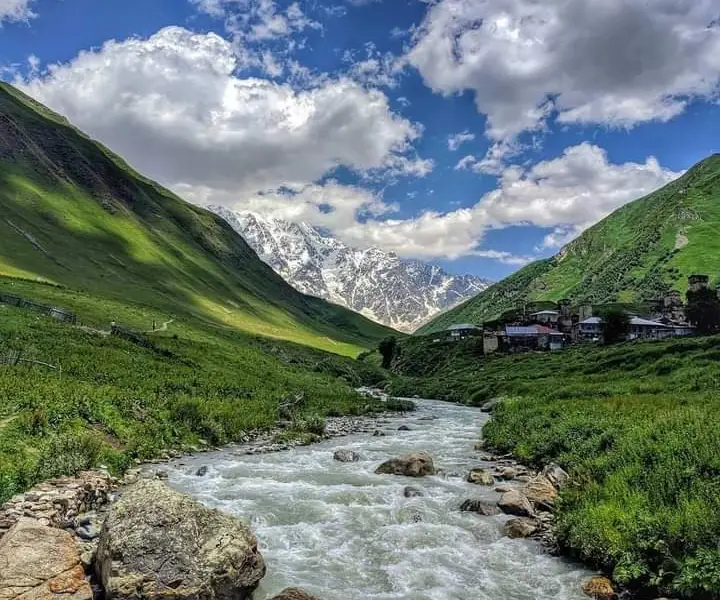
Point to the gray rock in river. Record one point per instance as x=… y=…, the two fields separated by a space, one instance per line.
x=479 y=506
x=412 y=492
x=522 y=527
x=515 y=503
x=415 y=464
x=202 y=471
x=480 y=476
x=403 y=428
x=294 y=594
x=346 y=456
x=159 y=544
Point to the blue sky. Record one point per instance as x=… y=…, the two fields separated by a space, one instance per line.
x=477 y=134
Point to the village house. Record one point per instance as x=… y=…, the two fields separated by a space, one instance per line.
x=531 y=337
x=462 y=331
x=591 y=329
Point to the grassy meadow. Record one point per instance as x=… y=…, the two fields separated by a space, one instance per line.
x=109 y=401
x=638 y=426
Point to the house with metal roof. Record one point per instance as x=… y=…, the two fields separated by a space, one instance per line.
x=640 y=328
x=532 y=337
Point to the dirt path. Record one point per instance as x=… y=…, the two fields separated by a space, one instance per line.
x=162 y=327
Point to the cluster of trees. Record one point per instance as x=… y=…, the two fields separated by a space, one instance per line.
x=703 y=310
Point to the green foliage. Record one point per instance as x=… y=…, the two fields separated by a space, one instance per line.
x=387 y=349
x=638 y=427
x=638 y=253
x=703 y=310
x=615 y=326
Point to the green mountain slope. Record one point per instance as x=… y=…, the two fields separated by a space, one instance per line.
x=74 y=215
x=637 y=253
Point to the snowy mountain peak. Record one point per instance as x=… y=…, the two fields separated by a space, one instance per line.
x=397 y=292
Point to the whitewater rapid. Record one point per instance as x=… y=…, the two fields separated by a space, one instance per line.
x=341 y=532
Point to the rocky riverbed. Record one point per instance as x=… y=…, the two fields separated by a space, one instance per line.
x=404 y=507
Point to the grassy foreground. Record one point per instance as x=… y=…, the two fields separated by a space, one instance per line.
x=638 y=425
x=110 y=401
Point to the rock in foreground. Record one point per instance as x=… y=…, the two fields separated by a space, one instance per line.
x=294 y=594
x=415 y=464
x=157 y=543
x=40 y=563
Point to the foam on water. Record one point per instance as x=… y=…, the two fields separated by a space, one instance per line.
x=343 y=533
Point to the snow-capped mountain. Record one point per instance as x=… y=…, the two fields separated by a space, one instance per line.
x=400 y=293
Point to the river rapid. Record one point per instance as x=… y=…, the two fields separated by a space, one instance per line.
x=341 y=532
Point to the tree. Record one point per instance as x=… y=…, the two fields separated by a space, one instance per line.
x=615 y=326
x=703 y=311
x=387 y=349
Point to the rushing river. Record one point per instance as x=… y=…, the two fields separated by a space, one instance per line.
x=341 y=532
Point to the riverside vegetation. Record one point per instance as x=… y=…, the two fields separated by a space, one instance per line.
x=636 y=424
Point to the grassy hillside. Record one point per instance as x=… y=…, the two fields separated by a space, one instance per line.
x=78 y=398
x=74 y=214
x=638 y=427
x=638 y=253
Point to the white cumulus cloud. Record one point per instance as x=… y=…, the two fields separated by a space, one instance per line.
x=614 y=62
x=174 y=107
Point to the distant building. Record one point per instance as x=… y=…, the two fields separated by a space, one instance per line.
x=462 y=331
x=591 y=329
x=532 y=337
x=549 y=317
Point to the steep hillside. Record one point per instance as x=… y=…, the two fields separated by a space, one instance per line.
x=637 y=253
x=75 y=215
x=396 y=292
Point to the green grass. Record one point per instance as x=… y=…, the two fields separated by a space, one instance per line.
x=631 y=256
x=637 y=425
x=109 y=401
x=76 y=215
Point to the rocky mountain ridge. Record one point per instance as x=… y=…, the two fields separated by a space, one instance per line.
x=396 y=292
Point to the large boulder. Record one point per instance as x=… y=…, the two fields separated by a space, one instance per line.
x=541 y=492
x=415 y=464
x=515 y=503
x=40 y=563
x=480 y=476
x=294 y=594
x=159 y=544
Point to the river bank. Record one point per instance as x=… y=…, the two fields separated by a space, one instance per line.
x=324 y=525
